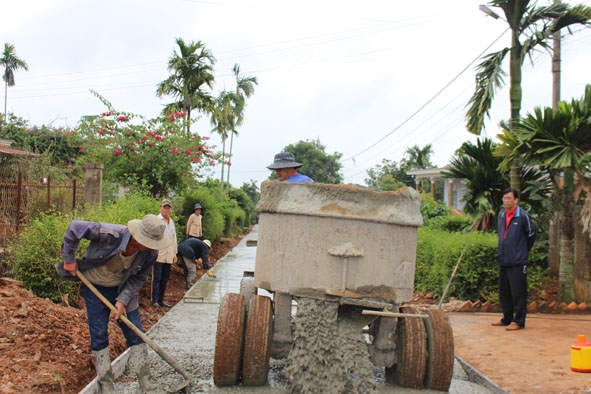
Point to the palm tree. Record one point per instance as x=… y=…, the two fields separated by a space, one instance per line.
x=223 y=120
x=11 y=63
x=532 y=28
x=477 y=164
x=417 y=158
x=559 y=140
x=244 y=89
x=191 y=70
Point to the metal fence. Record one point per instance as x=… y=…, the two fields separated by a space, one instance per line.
x=25 y=193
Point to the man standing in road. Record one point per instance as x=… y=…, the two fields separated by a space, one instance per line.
x=285 y=166
x=117 y=262
x=517 y=234
x=166 y=257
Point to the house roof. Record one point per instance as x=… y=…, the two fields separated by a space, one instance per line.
x=427 y=172
x=5 y=148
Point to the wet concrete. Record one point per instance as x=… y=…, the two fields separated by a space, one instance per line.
x=188 y=331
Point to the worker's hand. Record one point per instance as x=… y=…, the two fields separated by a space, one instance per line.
x=71 y=267
x=120 y=310
x=174 y=259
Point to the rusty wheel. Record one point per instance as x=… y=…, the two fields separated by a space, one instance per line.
x=440 y=349
x=411 y=348
x=255 y=364
x=228 y=341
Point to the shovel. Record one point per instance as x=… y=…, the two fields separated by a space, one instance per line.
x=140 y=334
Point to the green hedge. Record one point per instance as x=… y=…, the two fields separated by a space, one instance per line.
x=39 y=246
x=437 y=255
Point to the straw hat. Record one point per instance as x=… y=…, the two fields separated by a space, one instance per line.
x=149 y=232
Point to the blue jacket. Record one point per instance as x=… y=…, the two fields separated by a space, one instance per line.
x=106 y=240
x=513 y=249
x=194 y=248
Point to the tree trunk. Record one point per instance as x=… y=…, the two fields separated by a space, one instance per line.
x=554 y=245
x=565 y=281
x=581 y=270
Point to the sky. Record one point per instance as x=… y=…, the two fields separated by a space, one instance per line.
x=366 y=79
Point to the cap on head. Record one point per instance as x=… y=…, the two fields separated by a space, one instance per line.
x=166 y=202
x=149 y=232
x=207 y=242
x=197 y=206
x=284 y=160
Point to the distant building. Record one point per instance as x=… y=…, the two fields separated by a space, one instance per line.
x=454 y=189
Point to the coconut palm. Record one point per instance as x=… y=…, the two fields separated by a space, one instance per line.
x=11 y=63
x=191 y=71
x=531 y=28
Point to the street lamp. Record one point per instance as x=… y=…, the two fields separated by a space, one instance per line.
x=488 y=11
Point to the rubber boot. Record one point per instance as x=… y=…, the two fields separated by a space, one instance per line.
x=210 y=274
x=190 y=278
x=104 y=373
x=138 y=364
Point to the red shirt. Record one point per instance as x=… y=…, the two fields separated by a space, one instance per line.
x=508 y=216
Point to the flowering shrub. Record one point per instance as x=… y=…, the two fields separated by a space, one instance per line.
x=149 y=155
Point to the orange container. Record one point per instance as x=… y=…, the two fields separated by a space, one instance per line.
x=580 y=355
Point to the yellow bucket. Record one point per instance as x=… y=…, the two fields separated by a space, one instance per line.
x=580 y=355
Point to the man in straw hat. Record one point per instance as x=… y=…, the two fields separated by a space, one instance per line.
x=117 y=262
x=285 y=166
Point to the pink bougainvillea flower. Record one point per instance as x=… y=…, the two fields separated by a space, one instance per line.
x=228 y=163
x=122 y=118
x=117 y=151
x=152 y=143
x=92 y=144
x=111 y=128
x=171 y=118
x=101 y=132
x=195 y=159
x=145 y=137
x=81 y=149
x=205 y=138
x=211 y=162
x=183 y=172
x=188 y=151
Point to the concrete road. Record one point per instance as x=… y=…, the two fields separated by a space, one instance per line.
x=187 y=333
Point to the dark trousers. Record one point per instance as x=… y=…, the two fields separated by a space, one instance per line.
x=98 y=318
x=513 y=293
x=161 y=274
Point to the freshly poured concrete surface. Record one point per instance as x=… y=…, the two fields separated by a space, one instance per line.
x=187 y=333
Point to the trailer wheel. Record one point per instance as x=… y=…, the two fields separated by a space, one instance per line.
x=411 y=348
x=247 y=289
x=229 y=340
x=440 y=349
x=255 y=363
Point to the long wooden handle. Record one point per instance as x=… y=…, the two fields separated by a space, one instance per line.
x=132 y=326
